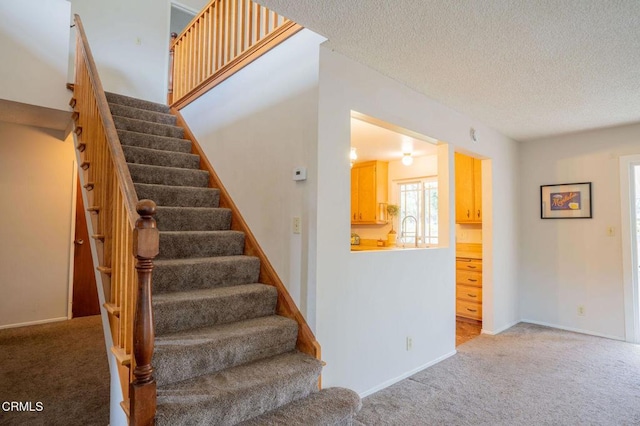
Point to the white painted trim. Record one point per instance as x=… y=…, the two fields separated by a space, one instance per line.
x=500 y=330
x=629 y=248
x=405 y=375
x=574 y=330
x=72 y=238
x=25 y=324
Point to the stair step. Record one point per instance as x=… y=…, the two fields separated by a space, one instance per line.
x=211 y=349
x=155 y=157
x=173 y=176
x=199 y=273
x=136 y=103
x=185 y=244
x=239 y=393
x=188 y=310
x=142 y=114
x=193 y=219
x=331 y=406
x=178 y=196
x=144 y=140
x=141 y=126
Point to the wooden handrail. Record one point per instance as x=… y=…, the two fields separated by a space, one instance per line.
x=119 y=162
x=125 y=235
x=226 y=36
x=306 y=342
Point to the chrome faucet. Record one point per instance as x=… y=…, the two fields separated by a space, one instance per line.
x=403 y=229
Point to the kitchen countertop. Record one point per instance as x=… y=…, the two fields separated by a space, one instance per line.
x=469 y=250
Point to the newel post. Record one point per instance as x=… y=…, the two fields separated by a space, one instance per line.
x=172 y=51
x=142 y=391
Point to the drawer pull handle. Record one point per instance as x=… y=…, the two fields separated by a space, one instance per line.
x=472 y=310
x=471 y=266
x=471 y=295
x=472 y=280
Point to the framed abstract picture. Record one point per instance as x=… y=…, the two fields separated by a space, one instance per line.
x=566 y=201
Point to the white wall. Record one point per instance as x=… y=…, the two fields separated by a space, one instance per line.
x=255 y=128
x=369 y=302
x=34 y=37
x=566 y=263
x=130 y=44
x=36 y=186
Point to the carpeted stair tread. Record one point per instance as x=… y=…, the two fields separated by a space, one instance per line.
x=178 y=196
x=172 y=176
x=222 y=354
x=142 y=114
x=188 y=354
x=136 y=103
x=328 y=407
x=174 y=312
x=193 y=218
x=155 y=157
x=141 y=126
x=163 y=143
x=185 y=244
x=239 y=393
x=173 y=275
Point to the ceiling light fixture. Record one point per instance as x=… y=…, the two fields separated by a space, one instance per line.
x=407 y=159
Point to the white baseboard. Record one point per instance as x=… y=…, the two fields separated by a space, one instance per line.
x=500 y=330
x=575 y=330
x=405 y=375
x=24 y=324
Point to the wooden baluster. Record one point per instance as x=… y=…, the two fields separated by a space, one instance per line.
x=142 y=392
x=172 y=51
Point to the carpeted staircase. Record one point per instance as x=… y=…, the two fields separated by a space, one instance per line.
x=222 y=355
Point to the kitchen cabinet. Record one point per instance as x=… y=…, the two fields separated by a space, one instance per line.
x=468 y=189
x=469 y=288
x=369 y=188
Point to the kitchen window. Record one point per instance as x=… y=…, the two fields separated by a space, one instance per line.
x=418 y=219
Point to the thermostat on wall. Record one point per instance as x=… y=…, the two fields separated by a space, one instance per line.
x=300 y=173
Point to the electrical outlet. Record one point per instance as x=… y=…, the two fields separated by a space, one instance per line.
x=581 y=310
x=297 y=226
x=409 y=343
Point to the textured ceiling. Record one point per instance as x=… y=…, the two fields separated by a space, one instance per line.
x=527 y=68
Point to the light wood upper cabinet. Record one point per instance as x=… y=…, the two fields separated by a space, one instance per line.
x=468 y=189
x=369 y=188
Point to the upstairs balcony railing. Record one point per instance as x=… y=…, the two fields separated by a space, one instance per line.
x=226 y=36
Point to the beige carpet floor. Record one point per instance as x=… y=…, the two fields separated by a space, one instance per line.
x=63 y=366
x=527 y=375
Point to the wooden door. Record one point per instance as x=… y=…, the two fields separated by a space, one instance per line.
x=85 y=294
x=477 y=189
x=367 y=193
x=464 y=188
x=354 y=194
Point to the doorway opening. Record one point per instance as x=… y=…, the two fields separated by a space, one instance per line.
x=179 y=18
x=630 y=233
x=471 y=202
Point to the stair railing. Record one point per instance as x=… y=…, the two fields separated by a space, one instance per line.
x=125 y=235
x=226 y=36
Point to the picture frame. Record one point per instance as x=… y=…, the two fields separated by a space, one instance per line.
x=566 y=201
